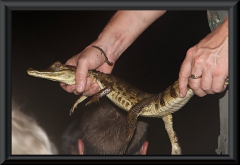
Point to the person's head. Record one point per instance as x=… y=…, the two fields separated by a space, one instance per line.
x=27 y=136
x=101 y=131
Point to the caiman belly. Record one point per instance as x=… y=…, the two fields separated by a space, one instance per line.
x=125 y=96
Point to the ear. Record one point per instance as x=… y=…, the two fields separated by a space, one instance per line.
x=80 y=147
x=144 y=148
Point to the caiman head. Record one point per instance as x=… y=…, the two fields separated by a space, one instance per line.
x=56 y=72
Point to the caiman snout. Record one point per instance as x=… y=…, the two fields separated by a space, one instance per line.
x=66 y=76
x=30 y=70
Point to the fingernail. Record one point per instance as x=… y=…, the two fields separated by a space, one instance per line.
x=79 y=88
x=181 y=95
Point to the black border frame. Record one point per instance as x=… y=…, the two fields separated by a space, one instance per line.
x=6 y=6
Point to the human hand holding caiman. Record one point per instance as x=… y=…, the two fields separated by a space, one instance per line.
x=131 y=99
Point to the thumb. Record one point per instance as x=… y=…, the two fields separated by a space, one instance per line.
x=81 y=77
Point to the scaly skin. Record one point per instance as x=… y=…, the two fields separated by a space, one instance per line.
x=131 y=99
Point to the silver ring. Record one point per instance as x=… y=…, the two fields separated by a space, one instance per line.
x=194 y=77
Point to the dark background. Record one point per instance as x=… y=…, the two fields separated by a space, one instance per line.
x=152 y=63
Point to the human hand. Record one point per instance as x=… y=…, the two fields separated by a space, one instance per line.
x=209 y=59
x=89 y=59
x=120 y=32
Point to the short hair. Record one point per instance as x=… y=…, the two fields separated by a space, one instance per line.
x=27 y=136
x=102 y=128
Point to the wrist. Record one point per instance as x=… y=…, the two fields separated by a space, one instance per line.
x=113 y=44
x=223 y=28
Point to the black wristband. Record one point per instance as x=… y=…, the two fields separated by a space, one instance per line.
x=106 y=59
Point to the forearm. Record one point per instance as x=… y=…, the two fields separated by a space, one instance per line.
x=123 y=29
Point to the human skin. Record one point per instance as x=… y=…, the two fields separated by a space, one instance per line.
x=120 y=32
x=208 y=58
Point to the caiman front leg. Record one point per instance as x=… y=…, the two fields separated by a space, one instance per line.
x=176 y=149
x=100 y=94
x=81 y=99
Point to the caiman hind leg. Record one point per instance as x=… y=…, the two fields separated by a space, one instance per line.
x=98 y=95
x=131 y=127
x=132 y=117
x=81 y=99
x=176 y=149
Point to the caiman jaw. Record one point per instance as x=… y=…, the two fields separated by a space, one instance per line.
x=64 y=76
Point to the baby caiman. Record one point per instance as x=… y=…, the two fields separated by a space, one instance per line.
x=131 y=99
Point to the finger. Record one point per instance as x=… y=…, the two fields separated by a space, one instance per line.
x=68 y=88
x=225 y=86
x=72 y=61
x=206 y=82
x=197 y=70
x=76 y=93
x=218 y=84
x=184 y=73
x=94 y=88
x=195 y=86
x=90 y=81
x=81 y=76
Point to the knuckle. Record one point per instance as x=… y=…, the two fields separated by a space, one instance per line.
x=190 y=52
x=81 y=61
x=182 y=74
x=193 y=86
x=88 y=93
x=65 y=87
x=201 y=94
x=198 y=60
x=217 y=90
x=181 y=88
x=218 y=72
x=68 y=90
x=210 y=63
x=205 y=88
